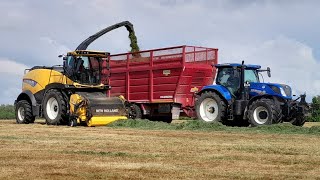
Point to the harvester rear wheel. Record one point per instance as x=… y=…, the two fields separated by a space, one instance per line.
x=23 y=112
x=211 y=108
x=264 y=112
x=54 y=107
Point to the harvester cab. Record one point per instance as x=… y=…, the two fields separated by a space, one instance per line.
x=84 y=67
x=239 y=96
x=73 y=93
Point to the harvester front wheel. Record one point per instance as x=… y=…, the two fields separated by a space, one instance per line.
x=263 y=112
x=23 y=112
x=210 y=107
x=54 y=107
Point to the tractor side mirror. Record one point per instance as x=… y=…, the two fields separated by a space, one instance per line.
x=269 y=72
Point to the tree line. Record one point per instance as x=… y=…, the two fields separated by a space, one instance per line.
x=315 y=110
x=7 y=112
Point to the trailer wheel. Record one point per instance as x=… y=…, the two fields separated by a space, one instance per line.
x=134 y=112
x=54 y=107
x=23 y=112
x=298 y=121
x=210 y=107
x=264 y=112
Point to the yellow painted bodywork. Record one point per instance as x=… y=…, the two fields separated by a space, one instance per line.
x=80 y=113
x=43 y=77
x=103 y=120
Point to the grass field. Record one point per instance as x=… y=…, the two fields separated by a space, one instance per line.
x=38 y=151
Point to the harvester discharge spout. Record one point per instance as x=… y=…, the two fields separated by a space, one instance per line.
x=133 y=39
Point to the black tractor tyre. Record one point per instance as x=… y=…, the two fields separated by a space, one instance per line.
x=32 y=119
x=298 y=121
x=163 y=118
x=23 y=112
x=54 y=107
x=210 y=107
x=134 y=112
x=264 y=112
x=73 y=122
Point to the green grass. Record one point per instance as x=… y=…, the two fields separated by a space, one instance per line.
x=283 y=128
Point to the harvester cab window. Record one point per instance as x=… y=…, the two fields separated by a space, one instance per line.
x=87 y=70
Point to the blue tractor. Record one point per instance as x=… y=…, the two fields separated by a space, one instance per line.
x=239 y=97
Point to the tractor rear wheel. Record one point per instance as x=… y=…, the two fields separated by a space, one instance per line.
x=264 y=112
x=210 y=107
x=54 y=107
x=23 y=112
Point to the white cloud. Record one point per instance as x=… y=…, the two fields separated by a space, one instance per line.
x=291 y=62
x=11 y=67
x=11 y=74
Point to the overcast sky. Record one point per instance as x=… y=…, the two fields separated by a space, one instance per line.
x=281 y=34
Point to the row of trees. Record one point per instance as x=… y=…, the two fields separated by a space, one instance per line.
x=315 y=109
x=7 y=111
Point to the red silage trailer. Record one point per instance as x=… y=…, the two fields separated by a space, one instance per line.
x=161 y=83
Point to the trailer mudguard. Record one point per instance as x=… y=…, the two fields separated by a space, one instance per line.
x=223 y=91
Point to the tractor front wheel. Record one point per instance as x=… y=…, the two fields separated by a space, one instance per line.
x=263 y=112
x=298 y=121
x=210 y=107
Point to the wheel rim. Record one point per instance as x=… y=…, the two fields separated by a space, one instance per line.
x=209 y=110
x=52 y=108
x=21 y=113
x=260 y=115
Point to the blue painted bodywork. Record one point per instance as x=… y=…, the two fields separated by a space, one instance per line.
x=221 y=89
x=248 y=66
x=256 y=89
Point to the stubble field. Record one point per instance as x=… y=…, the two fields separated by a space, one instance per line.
x=38 y=151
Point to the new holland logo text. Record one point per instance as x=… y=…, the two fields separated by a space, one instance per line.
x=107 y=110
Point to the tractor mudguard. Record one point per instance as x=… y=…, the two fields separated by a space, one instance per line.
x=223 y=91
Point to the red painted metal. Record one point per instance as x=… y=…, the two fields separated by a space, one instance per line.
x=166 y=75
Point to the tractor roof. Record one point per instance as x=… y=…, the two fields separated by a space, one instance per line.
x=248 y=66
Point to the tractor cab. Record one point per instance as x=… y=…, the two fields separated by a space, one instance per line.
x=84 y=67
x=230 y=76
x=239 y=79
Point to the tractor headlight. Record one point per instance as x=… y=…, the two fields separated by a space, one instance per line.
x=283 y=93
x=278 y=90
